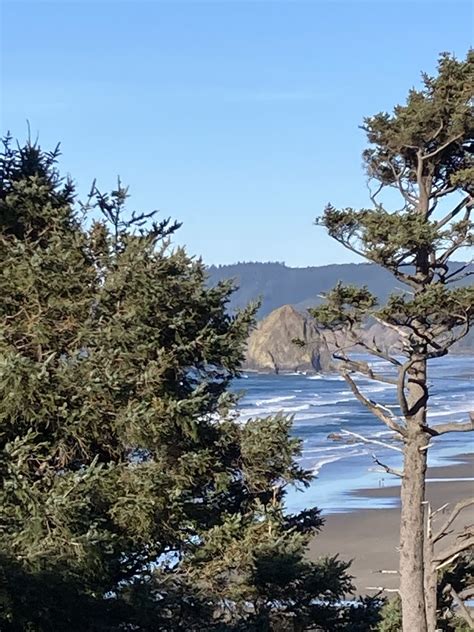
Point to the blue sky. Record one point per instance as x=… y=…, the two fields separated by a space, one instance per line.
x=239 y=118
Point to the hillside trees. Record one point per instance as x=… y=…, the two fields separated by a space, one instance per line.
x=131 y=497
x=423 y=151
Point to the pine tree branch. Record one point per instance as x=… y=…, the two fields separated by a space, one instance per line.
x=443 y=530
x=441 y=148
x=374 y=408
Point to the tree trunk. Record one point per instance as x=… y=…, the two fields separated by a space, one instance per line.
x=412 y=527
x=431 y=575
x=412 y=590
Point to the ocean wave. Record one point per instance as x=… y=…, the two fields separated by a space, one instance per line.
x=318 y=465
x=334 y=448
x=295 y=409
x=380 y=388
x=330 y=377
x=274 y=400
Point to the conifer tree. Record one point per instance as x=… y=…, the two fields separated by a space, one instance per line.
x=131 y=497
x=424 y=151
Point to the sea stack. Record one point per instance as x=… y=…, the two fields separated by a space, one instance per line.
x=271 y=345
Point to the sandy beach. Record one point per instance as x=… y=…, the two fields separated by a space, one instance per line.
x=370 y=536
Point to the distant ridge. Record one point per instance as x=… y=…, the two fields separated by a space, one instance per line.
x=277 y=284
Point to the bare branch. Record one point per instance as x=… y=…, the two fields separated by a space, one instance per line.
x=359 y=366
x=453 y=426
x=373 y=195
x=457 y=209
x=463 y=611
x=459 y=278
x=450 y=276
x=388 y=469
x=443 y=530
x=374 y=408
x=402 y=400
x=379 y=353
x=400 y=331
x=376 y=441
x=373 y=350
x=448 y=561
x=467 y=593
x=439 y=510
x=410 y=199
x=457 y=243
x=455 y=549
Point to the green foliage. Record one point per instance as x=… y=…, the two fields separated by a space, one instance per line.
x=437 y=120
x=132 y=498
x=424 y=150
x=345 y=306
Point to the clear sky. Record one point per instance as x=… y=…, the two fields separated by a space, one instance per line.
x=239 y=118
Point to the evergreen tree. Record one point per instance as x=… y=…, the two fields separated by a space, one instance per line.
x=132 y=498
x=424 y=152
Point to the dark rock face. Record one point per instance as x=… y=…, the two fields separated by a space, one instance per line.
x=271 y=345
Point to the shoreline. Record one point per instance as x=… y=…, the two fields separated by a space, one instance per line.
x=370 y=536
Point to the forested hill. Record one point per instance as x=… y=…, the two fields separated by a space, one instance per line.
x=276 y=284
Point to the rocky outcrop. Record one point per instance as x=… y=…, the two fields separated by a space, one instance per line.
x=271 y=346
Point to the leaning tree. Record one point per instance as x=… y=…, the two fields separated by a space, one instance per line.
x=424 y=151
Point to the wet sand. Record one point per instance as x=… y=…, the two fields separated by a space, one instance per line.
x=370 y=536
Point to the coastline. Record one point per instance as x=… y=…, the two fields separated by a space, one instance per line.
x=370 y=536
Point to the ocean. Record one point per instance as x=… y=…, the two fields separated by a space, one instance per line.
x=323 y=404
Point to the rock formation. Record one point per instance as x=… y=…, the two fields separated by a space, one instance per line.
x=271 y=345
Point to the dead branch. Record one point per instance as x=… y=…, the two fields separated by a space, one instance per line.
x=463 y=610
x=387 y=468
x=402 y=400
x=447 y=218
x=460 y=506
x=467 y=593
x=455 y=550
x=359 y=366
x=376 y=441
x=439 y=510
x=453 y=426
x=374 y=408
x=447 y=562
x=373 y=350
